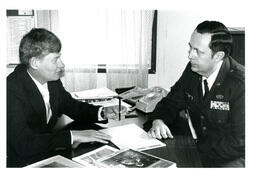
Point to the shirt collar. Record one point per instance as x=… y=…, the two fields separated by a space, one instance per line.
x=213 y=76
x=43 y=88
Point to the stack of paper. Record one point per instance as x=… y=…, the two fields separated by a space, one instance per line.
x=98 y=93
x=133 y=137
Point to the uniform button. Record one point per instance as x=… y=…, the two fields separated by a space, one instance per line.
x=202 y=116
x=204 y=128
x=231 y=70
x=219 y=121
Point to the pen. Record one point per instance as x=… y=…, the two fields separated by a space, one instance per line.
x=192 y=130
x=119 y=108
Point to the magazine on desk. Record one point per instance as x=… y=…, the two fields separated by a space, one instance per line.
x=108 y=157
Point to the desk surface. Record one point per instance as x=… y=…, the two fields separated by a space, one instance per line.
x=181 y=150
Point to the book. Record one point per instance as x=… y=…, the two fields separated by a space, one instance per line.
x=57 y=161
x=108 y=157
x=133 y=137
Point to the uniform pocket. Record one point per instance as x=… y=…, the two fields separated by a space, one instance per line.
x=218 y=117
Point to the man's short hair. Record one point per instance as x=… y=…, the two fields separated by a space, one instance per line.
x=37 y=43
x=221 y=39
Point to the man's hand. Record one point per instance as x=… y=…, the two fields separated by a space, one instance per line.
x=85 y=136
x=159 y=130
x=112 y=112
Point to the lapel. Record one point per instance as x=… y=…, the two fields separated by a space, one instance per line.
x=219 y=80
x=53 y=91
x=34 y=96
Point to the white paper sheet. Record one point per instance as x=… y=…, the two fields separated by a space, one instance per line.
x=98 y=93
x=133 y=137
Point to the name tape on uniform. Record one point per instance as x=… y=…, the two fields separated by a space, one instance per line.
x=220 y=105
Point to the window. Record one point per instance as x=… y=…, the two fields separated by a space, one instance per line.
x=108 y=37
x=101 y=37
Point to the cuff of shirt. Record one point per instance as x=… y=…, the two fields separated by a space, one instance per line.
x=71 y=137
x=99 y=116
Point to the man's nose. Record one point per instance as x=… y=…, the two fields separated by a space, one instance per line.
x=61 y=64
x=191 y=54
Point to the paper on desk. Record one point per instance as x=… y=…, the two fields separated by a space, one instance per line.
x=97 y=93
x=133 y=137
x=57 y=161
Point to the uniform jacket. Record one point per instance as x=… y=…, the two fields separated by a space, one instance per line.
x=28 y=134
x=218 y=118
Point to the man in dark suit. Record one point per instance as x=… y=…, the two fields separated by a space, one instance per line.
x=211 y=90
x=36 y=98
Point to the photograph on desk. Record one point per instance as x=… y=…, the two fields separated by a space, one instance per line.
x=108 y=157
x=89 y=159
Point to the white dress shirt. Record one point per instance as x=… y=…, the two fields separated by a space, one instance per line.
x=212 y=77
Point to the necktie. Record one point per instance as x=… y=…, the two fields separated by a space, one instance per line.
x=206 y=88
x=47 y=106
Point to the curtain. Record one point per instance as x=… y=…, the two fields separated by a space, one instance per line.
x=78 y=78
x=133 y=48
x=119 y=38
x=48 y=19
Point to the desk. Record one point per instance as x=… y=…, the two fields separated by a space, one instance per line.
x=181 y=149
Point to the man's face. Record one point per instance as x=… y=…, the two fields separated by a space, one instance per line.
x=200 y=55
x=50 y=67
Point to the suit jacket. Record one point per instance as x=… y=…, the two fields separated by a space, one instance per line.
x=28 y=134
x=218 y=118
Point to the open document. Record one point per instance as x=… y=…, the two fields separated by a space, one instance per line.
x=133 y=137
x=107 y=156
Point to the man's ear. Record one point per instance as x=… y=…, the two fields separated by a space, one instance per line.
x=34 y=63
x=219 y=55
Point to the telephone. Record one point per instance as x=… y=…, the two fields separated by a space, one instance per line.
x=144 y=99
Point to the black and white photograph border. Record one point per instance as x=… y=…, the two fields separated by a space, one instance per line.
x=244 y=9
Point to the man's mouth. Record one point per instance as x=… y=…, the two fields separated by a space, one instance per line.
x=61 y=73
x=192 y=64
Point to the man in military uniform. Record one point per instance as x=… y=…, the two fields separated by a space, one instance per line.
x=211 y=90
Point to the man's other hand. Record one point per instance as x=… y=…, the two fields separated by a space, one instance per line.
x=159 y=130
x=85 y=136
x=112 y=112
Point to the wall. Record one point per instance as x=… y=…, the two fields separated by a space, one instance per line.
x=174 y=30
